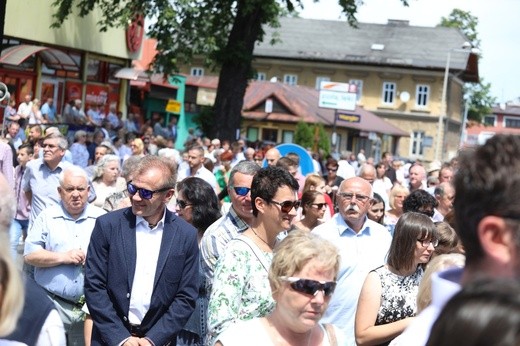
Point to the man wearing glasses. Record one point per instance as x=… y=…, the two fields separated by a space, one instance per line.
x=233 y=223
x=142 y=268
x=363 y=245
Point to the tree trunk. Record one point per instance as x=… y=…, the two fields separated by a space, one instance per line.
x=236 y=69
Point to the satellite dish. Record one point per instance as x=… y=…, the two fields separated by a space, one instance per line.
x=4 y=92
x=404 y=96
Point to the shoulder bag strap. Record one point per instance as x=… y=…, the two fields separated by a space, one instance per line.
x=331 y=334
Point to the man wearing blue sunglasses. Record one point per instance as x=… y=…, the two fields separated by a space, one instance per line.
x=142 y=268
x=234 y=222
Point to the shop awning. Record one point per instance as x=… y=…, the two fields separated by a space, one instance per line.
x=131 y=73
x=52 y=57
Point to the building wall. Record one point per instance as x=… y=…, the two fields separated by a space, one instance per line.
x=31 y=20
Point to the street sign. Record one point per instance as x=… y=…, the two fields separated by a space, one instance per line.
x=337 y=96
x=349 y=118
x=173 y=106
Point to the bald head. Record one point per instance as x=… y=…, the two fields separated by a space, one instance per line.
x=6 y=205
x=272 y=156
x=367 y=172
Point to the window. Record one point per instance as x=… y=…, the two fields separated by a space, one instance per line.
x=287 y=136
x=422 y=93
x=512 y=122
x=388 y=92
x=290 y=79
x=490 y=120
x=416 y=143
x=197 y=71
x=260 y=76
x=320 y=79
x=359 y=88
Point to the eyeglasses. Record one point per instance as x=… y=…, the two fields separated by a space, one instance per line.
x=287 y=206
x=319 y=205
x=311 y=287
x=241 y=190
x=348 y=196
x=332 y=169
x=426 y=243
x=143 y=193
x=183 y=204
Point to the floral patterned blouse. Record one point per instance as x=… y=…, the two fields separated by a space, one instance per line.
x=241 y=288
x=399 y=295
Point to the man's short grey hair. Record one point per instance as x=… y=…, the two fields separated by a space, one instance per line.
x=244 y=167
x=129 y=166
x=75 y=170
x=63 y=144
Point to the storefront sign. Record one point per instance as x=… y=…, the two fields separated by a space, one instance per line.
x=173 y=106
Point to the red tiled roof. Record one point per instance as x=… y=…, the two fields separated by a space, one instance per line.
x=301 y=104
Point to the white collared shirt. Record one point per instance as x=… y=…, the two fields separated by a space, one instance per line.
x=148 y=245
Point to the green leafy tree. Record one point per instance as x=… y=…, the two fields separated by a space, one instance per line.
x=479 y=94
x=323 y=139
x=223 y=31
x=303 y=135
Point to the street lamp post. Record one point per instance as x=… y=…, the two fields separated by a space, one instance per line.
x=439 y=150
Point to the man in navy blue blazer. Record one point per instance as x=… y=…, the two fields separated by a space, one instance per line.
x=141 y=272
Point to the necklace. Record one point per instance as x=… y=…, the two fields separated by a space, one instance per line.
x=266 y=243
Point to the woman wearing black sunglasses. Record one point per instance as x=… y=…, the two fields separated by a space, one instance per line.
x=198 y=204
x=313 y=211
x=388 y=300
x=302 y=278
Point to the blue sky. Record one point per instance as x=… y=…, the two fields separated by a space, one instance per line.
x=499 y=31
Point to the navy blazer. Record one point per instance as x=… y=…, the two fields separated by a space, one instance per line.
x=109 y=275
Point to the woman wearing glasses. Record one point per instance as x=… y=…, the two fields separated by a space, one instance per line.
x=240 y=286
x=197 y=203
x=313 y=211
x=302 y=277
x=387 y=303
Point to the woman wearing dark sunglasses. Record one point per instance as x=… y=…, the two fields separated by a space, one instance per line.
x=388 y=300
x=313 y=210
x=302 y=277
x=198 y=204
x=240 y=286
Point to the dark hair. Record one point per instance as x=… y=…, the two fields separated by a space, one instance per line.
x=308 y=197
x=331 y=162
x=484 y=312
x=448 y=240
x=295 y=157
x=486 y=183
x=410 y=228
x=285 y=163
x=205 y=207
x=266 y=183
x=28 y=147
x=420 y=201
x=376 y=199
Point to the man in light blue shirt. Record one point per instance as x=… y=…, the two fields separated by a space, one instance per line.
x=363 y=246
x=56 y=246
x=49 y=111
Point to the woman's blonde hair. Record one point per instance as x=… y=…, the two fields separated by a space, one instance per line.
x=11 y=289
x=441 y=262
x=397 y=189
x=312 y=180
x=296 y=250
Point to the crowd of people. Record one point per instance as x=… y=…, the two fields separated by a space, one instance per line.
x=126 y=241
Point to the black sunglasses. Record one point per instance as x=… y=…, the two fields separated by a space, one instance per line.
x=241 y=191
x=287 y=206
x=319 y=205
x=311 y=287
x=143 y=193
x=183 y=204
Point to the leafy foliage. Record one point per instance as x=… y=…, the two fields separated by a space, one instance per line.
x=464 y=21
x=303 y=135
